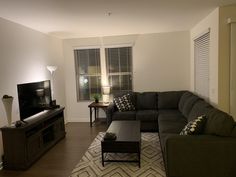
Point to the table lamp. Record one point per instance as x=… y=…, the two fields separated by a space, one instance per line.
x=106 y=93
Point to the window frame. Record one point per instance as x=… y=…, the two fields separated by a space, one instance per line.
x=77 y=72
x=120 y=73
x=103 y=67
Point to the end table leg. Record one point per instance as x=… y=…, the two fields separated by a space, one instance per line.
x=95 y=114
x=91 y=114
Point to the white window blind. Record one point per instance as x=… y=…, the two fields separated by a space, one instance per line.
x=201 y=59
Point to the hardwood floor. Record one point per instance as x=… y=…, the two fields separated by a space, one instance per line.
x=62 y=158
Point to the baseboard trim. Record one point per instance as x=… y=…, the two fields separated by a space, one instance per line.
x=1 y=165
x=78 y=120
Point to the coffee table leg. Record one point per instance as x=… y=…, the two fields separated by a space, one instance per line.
x=139 y=163
x=102 y=160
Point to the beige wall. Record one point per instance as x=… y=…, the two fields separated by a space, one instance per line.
x=24 y=55
x=210 y=22
x=224 y=55
x=160 y=62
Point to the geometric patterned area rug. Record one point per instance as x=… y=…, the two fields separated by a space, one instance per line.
x=151 y=160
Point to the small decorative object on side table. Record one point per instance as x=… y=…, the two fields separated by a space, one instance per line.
x=96 y=97
x=95 y=106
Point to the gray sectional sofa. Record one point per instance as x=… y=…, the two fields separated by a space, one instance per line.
x=209 y=154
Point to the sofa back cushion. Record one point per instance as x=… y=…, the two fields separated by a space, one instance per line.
x=219 y=123
x=199 y=108
x=169 y=100
x=187 y=102
x=146 y=100
x=183 y=99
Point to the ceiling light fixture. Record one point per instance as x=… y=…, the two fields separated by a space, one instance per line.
x=109 y=14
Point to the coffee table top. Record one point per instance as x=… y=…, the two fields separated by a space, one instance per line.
x=126 y=130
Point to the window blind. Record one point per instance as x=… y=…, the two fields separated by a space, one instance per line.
x=201 y=65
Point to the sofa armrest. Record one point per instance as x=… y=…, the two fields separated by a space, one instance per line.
x=200 y=156
x=109 y=111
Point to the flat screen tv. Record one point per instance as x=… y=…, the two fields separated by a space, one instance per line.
x=33 y=98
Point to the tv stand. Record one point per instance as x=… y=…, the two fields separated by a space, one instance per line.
x=25 y=144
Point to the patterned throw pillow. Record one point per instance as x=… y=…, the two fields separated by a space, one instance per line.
x=194 y=127
x=124 y=103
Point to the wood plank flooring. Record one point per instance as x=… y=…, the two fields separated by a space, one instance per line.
x=62 y=158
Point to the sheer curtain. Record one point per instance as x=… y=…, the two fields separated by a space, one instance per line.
x=233 y=69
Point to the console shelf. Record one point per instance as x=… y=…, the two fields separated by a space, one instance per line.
x=25 y=144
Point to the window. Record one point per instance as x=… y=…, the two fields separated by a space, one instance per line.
x=201 y=59
x=114 y=63
x=88 y=73
x=119 y=68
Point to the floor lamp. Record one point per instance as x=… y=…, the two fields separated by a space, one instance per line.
x=52 y=69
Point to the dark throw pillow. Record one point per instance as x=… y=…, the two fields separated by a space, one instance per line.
x=124 y=103
x=195 y=126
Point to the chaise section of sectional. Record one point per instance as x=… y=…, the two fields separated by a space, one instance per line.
x=200 y=156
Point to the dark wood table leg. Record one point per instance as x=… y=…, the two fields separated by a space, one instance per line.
x=139 y=155
x=95 y=113
x=102 y=159
x=91 y=116
x=139 y=163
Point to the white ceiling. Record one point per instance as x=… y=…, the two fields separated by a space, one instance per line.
x=88 y=18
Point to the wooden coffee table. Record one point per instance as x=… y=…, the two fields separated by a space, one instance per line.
x=128 y=140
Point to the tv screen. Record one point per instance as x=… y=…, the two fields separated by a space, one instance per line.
x=33 y=98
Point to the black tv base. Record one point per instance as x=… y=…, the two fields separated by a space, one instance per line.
x=25 y=144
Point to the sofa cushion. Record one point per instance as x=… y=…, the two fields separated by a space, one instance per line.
x=188 y=104
x=219 y=123
x=199 y=108
x=127 y=115
x=169 y=100
x=147 y=115
x=171 y=117
x=195 y=126
x=146 y=100
x=124 y=103
x=169 y=112
x=171 y=124
x=183 y=99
